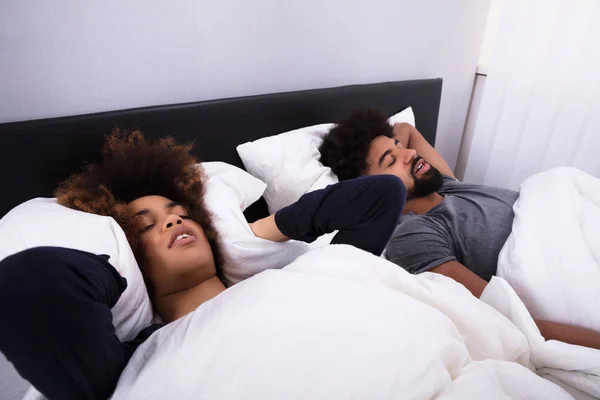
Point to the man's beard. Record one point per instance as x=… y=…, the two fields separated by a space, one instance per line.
x=428 y=183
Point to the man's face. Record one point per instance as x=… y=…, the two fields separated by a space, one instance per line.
x=387 y=156
x=176 y=253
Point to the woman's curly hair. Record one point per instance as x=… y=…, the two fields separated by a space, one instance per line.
x=346 y=146
x=133 y=167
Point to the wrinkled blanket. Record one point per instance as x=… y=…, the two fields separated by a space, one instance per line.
x=339 y=323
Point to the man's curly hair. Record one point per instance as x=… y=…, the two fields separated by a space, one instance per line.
x=133 y=167
x=345 y=147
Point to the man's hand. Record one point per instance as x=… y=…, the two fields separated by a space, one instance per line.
x=410 y=138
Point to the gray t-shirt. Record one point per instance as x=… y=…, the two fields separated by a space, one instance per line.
x=470 y=226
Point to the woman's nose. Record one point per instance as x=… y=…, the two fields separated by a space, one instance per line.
x=172 y=220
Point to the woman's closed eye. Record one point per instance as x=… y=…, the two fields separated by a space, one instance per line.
x=392 y=162
x=146 y=228
x=149 y=225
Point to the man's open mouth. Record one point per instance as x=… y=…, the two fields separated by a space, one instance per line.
x=420 y=167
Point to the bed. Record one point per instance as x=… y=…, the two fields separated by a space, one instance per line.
x=48 y=150
x=457 y=347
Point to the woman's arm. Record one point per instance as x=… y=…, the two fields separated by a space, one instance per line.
x=365 y=211
x=72 y=352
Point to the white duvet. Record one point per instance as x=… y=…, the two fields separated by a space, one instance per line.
x=552 y=260
x=339 y=323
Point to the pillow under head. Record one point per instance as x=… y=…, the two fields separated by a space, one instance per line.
x=289 y=162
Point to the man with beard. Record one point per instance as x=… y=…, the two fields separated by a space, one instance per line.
x=449 y=227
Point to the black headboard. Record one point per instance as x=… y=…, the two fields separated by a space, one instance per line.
x=36 y=155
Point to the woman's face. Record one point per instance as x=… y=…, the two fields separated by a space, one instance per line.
x=176 y=253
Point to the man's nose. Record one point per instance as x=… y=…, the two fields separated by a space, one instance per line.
x=407 y=155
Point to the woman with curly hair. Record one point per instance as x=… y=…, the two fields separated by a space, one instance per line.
x=155 y=191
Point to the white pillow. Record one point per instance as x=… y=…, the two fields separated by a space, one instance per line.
x=43 y=222
x=229 y=191
x=246 y=188
x=407 y=115
x=289 y=162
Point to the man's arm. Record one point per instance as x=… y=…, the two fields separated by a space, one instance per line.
x=411 y=138
x=569 y=334
x=549 y=330
x=462 y=275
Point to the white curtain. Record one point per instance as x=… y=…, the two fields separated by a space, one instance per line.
x=541 y=103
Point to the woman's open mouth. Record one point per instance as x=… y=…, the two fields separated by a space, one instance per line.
x=183 y=239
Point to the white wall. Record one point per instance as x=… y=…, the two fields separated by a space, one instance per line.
x=67 y=57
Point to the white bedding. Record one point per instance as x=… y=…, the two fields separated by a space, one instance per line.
x=552 y=260
x=339 y=323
